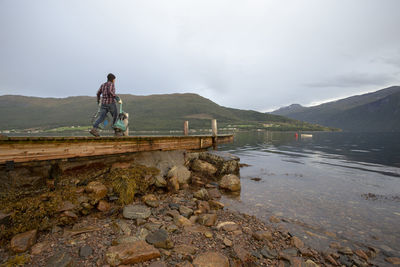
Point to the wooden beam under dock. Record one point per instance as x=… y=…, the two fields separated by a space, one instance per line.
x=27 y=149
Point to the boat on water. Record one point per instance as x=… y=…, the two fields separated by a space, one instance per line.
x=306 y=135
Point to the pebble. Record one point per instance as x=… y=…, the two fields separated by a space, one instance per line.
x=85 y=251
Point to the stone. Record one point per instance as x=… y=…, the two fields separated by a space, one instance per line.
x=263 y=235
x=158 y=264
x=123 y=227
x=5 y=219
x=60 y=259
x=136 y=211
x=230 y=182
x=185 y=250
x=216 y=205
x=184 y=264
x=211 y=259
x=204 y=167
x=291 y=252
x=160 y=181
x=97 y=190
x=185 y=211
x=173 y=213
x=173 y=184
x=103 y=206
x=182 y=173
x=151 y=200
x=202 y=207
x=335 y=245
x=393 y=260
x=131 y=253
x=243 y=254
x=225 y=163
x=126 y=239
x=38 y=248
x=69 y=214
x=182 y=221
x=346 y=251
x=297 y=242
x=193 y=219
x=214 y=193
x=22 y=242
x=228 y=226
x=172 y=228
x=85 y=251
x=228 y=242
x=208 y=234
x=66 y=206
x=201 y=194
x=274 y=219
x=331 y=260
x=310 y=263
x=361 y=254
x=152 y=227
x=269 y=253
x=207 y=219
x=160 y=239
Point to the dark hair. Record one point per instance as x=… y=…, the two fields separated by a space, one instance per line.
x=110 y=77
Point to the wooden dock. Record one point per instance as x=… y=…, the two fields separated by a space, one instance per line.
x=29 y=149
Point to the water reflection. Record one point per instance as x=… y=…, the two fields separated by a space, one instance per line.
x=320 y=186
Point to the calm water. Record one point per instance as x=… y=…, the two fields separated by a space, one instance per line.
x=342 y=187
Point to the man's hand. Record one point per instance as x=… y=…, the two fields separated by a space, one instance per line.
x=120 y=101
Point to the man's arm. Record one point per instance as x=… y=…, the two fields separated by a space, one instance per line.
x=112 y=90
x=98 y=94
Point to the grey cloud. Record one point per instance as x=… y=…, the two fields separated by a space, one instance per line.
x=352 y=80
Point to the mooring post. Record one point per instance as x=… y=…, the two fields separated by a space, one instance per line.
x=186 y=128
x=214 y=133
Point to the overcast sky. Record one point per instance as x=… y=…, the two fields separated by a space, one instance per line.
x=249 y=54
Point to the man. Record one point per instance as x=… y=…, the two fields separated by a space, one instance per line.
x=108 y=103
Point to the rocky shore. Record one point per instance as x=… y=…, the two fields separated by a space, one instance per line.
x=161 y=215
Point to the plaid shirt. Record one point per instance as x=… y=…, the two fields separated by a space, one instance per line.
x=108 y=91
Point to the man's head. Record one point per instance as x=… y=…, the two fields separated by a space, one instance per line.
x=110 y=77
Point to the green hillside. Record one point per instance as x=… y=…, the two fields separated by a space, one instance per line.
x=154 y=112
x=377 y=111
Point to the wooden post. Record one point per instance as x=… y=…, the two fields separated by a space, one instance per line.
x=186 y=128
x=214 y=133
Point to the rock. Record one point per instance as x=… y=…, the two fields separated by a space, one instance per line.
x=185 y=211
x=158 y=264
x=131 y=253
x=123 y=227
x=224 y=162
x=193 y=219
x=228 y=226
x=126 y=239
x=346 y=251
x=160 y=239
x=274 y=219
x=173 y=213
x=291 y=252
x=38 y=248
x=152 y=227
x=310 y=263
x=331 y=260
x=269 y=253
x=97 y=190
x=160 y=181
x=173 y=184
x=208 y=234
x=204 y=167
x=297 y=242
x=201 y=194
x=66 y=206
x=202 y=207
x=361 y=254
x=103 y=206
x=172 y=228
x=243 y=254
x=185 y=250
x=69 y=214
x=5 y=219
x=151 y=200
x=60 y=259
x=22 y=242
x=136 y=211
x=85 y=251
x=182 y=221
x=393 y=260
x=181 y=172
x=207 y=219
x=184 y=264
x=335 y=245
x=230 y=182
x=214 y=193
x=211 y=259
x=263 y=235
x=216 y=205
x=228 y=242
x=344 y=260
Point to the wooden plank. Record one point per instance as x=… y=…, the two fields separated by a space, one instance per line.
x=38 y=149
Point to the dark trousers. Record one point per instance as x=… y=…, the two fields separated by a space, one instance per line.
x=105 y=108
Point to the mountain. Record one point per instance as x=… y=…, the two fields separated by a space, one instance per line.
x=373 y=112
x=154 y=112
x=289 y=109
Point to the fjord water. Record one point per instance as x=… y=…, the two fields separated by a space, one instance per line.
x=342 y=187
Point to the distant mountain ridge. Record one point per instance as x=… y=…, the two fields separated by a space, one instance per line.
x=376 y=112
x=154 y=112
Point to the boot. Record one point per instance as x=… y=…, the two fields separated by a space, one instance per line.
x=94 y=132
